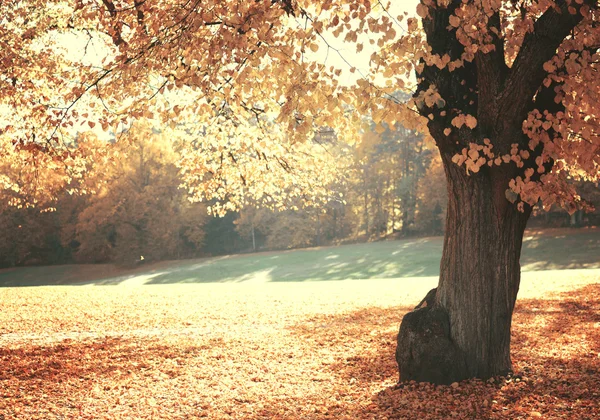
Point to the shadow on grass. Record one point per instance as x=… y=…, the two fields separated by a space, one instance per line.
x=369 y=364
x=388 y=259
x=57 y=275
x=407 y=258
x=58 y=380
x=561 y=249
x=391 y=259
x=57 y=362
x=90 y=359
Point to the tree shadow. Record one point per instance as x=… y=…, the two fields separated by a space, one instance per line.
x=417 y=257
x=370 y=364
x=545 y=250
x=392 y=259
x=42 y=381
x=107 y=357
x=386 y=259
x=57 y=275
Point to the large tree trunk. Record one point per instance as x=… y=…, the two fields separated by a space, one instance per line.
x=464 y=329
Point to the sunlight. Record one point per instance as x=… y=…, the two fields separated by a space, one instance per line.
x=257 y=277
x=139 y=280
x=232 y=209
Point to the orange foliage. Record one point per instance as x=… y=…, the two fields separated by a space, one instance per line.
x=253 y=80
x=278 y=351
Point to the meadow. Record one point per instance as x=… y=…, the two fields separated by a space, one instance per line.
x=304 y=334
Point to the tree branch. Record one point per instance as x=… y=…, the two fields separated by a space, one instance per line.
x=539 y=46
x=491 y=73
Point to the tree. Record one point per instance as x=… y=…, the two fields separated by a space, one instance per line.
x=409 y=161
x=507 y=98
x=30 y=183
x=384 y=176
x=432 y=200
x=138 y=210
x=508 y=90
x=296 y=229
x=254 y=225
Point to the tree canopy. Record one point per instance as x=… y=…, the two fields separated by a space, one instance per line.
x=256 y=80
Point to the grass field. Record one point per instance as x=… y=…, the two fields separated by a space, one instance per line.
x=272 y=336
x=555 y=249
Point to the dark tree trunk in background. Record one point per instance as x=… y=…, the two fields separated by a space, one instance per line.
x=318 y=233
x=366 y=212
x=462 y=328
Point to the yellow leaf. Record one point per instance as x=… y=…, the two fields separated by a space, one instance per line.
x=471 y=121
x=458 y=121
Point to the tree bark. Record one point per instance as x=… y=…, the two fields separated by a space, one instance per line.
x=480 y=270
x=465 y=330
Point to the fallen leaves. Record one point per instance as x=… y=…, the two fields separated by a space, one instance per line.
x=302 y=350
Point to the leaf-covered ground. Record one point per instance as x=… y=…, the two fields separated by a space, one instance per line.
x=300 y=350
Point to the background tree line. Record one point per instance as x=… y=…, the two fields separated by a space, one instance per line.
x=128 y=205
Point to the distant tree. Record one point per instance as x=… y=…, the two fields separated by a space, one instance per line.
x=30 y=182
x=138 y=210
x=222 y=237
x=255 y=225
x=411 y=159
x=387 y=167
x=431 y=200
x=293 y=229
x=24 y=234
x=556 y=216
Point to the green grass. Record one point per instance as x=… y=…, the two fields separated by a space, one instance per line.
x=555 y=249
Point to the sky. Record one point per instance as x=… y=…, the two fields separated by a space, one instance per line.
x=91 y=51
x=347 y=51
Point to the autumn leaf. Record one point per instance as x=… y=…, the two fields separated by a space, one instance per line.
x=470 y=121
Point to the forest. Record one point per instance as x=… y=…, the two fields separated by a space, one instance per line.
x=130 y=203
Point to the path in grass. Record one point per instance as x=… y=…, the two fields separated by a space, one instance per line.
x=548 y=250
